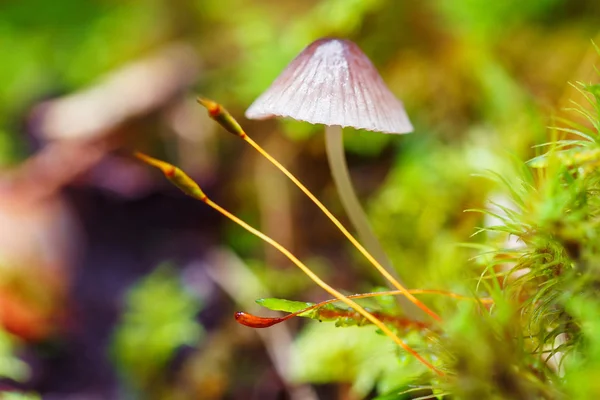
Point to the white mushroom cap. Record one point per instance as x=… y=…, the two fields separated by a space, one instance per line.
x=332 y=82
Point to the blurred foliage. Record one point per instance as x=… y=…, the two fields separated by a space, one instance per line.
x=10 y=366
x=324 y=353
x=481 y=80
x=159 y=317
x=62 y=47
x=19 y=396
x=427 y=192
x=479 y=19
x=541 y=278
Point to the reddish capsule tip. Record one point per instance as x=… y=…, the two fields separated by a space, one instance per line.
x=253 y=321
x=213 y=108
x=169 y=171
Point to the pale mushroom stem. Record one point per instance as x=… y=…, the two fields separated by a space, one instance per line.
x=334 y=144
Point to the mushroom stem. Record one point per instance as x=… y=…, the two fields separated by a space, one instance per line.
x=334 y=144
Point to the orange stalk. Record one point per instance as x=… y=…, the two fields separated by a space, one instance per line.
x=191 y=188
x=222 y=116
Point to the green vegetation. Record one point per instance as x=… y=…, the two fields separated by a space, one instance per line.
x=150 y=330
x=495 y=197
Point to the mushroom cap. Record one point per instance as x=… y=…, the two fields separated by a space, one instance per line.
x=333 y=82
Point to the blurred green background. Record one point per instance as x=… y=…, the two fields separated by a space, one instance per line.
x=113 y=285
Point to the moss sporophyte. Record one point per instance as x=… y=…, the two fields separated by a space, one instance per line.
x=356 y=314
x=347 y=74
x=182 y=181
x=537 y=288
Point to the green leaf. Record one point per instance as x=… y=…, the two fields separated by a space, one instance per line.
x=289 y=306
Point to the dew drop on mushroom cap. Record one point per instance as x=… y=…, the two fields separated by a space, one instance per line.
x=333 y=82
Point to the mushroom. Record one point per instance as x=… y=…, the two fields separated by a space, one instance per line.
x=332 y=82
x=219 y=114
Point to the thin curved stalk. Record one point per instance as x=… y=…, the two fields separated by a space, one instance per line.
x=222 y=116
x=315 y=278
x=191 y=188
x=346 y=233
